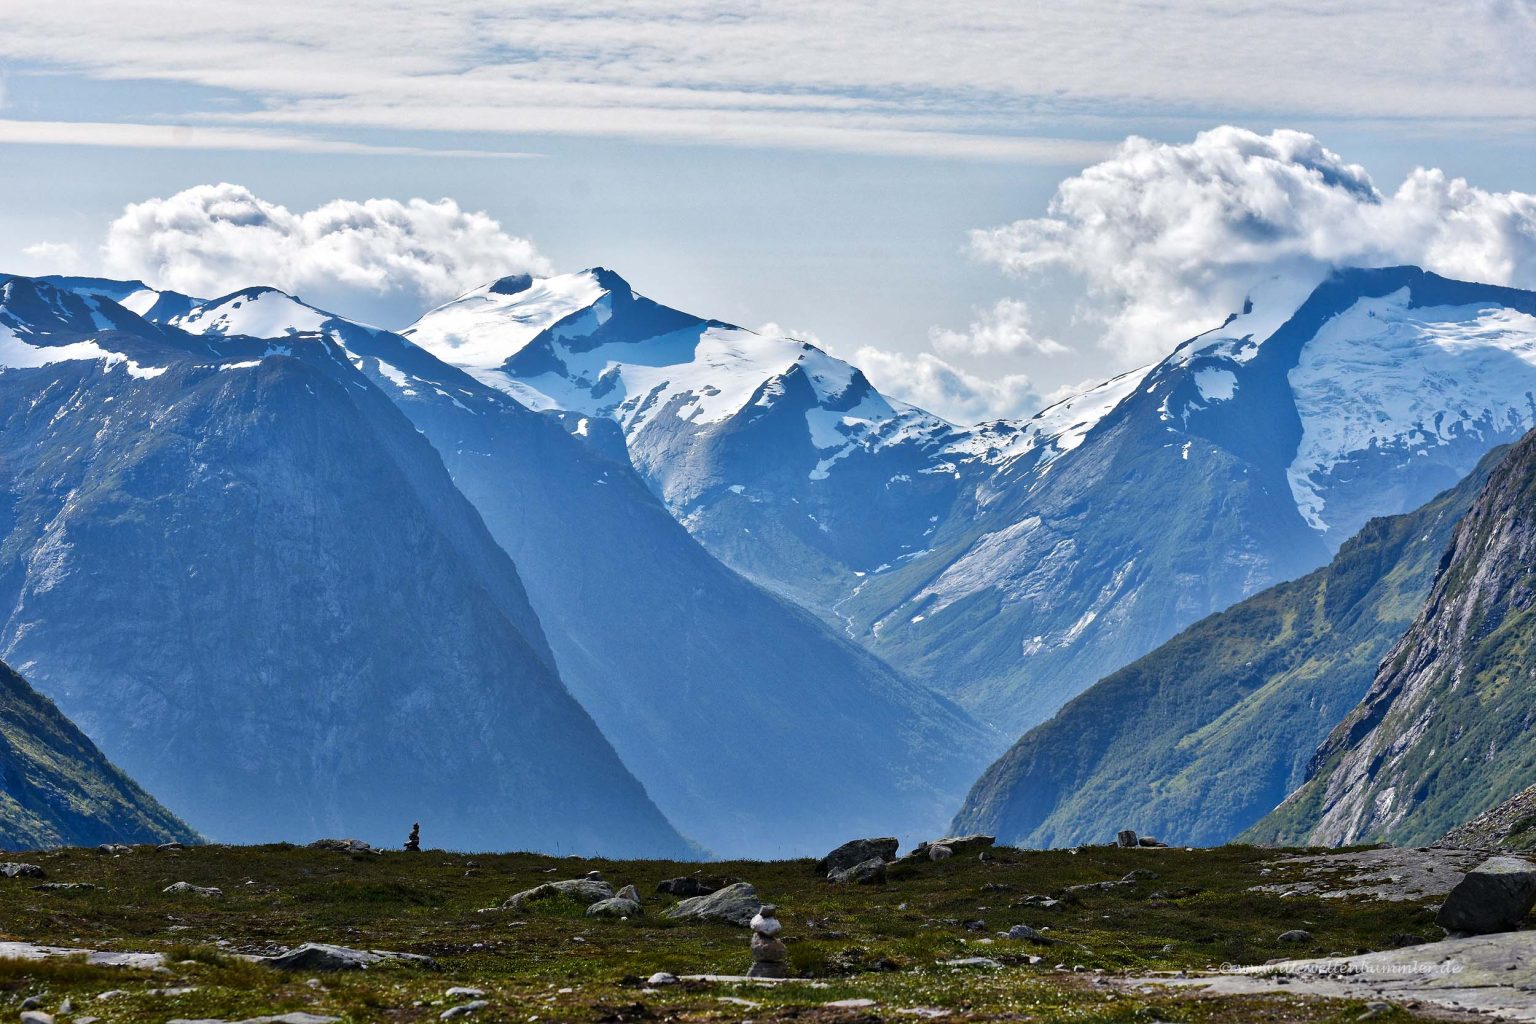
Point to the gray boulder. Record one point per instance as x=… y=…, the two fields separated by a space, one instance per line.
x=1024 y=933
x=1126 y=838
x=1495 y=896
x=962 y=845
x=585 y=891
x=188 y=889
x=857 y=851
x=1296 y=935
x=938 y=852
x=692 y=885
x=320 y=956
x=343 y=846
x=617 y=906
x=11 y=869
x=735 y=904
x=866 y=872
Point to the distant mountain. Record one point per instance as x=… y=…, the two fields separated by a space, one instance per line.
x=1444 y=732
x=56 y=788
x=1201 y=738
x=1011 y=565
x=757 y=729
x=247 y=576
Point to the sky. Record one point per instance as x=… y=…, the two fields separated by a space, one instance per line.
x=983 y=204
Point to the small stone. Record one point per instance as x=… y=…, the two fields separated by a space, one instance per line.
x=661 y=978
x=1126 y=838
x=594 y=876
x=766 y=921
x=464 y=992
x=1296 y=935
x=36 y=1017
x=31 y=1003
x=463 y=1010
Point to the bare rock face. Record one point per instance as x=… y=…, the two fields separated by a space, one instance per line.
x=1495 y=896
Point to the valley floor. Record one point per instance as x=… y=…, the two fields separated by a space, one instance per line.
x=861 y=953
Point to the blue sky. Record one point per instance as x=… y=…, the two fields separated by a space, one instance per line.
x=824 y=167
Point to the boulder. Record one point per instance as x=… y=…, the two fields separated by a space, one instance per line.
x=857 y=851
x=113 y=849
x=11 y=869
x=867 y=872
x=1150 y=843
x=320 y=956
x=463 y=1009
x=343 y=846
x=938 y=851
x=1126 y=838
x=1495 y=896
x=1024 y=933
x=629 y=892
x=1296 y=935
x=661 y=978
x=692 y=885
x=735 y=904
x=585 y=891
x=617 y=906
x=188 y=889
x=966 y=844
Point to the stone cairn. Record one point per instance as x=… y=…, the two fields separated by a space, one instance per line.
x=768 y=951
x=413 y=844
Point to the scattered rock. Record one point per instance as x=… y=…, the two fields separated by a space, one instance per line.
x=343 y=846
x=463 y=1010
x=32 y=1003
x=169 y=848
x=36 y=1017
x=188 y=889
x=661 y=978
x=1025 y=933
x=1495 y=896
x=65 y=887
x=863 y=873
x=463 y=992
x=585 y=891
x=616 y=906
x=1296 y=935
x=971 y=961
x=11 y=869
x=735 y=904
x=113 y=849
x=857 y=851
x=1126 y=838
x=1150 y=843
x=629 y=892
x=852 y=1004
x=938 y=851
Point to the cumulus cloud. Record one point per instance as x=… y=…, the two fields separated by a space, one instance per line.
x=930 y=383
x=1168 y=238
x=1002 y=330
x=51 y=258
x=772 y=329
x=359 y=257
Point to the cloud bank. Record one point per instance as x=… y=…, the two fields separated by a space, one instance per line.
x=374 y=255
x=1005 y=329
x=930 y=383
x=1166 y=239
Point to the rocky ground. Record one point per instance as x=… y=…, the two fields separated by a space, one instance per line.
x=1112 y=935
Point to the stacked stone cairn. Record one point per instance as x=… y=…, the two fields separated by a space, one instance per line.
x=769 y=953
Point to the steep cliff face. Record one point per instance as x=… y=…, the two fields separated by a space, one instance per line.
x=56 y=788
x=1199 y=739
x=1445 y=731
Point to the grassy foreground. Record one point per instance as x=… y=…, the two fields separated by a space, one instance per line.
x=551 y=963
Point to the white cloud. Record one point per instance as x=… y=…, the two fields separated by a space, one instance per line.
x=1168 y=238
x=346 y=254
x=186 y=136
x=51 y=258
x=1002 y=330
x=985 y=79
x=930 y=383
x=772 y=329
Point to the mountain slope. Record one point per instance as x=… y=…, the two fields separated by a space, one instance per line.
x=1444 y=732
x=56 y=788
x=756 y=728
x=253 y=583
x=1201 y=738
x=1010 y=565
